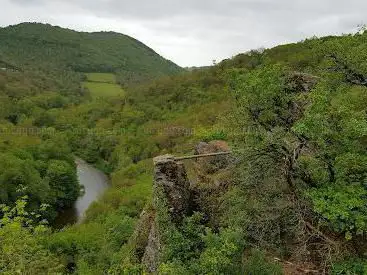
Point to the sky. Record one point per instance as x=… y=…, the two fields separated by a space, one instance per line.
x=196 y=32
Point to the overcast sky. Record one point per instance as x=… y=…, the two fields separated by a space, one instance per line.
x=196 y=32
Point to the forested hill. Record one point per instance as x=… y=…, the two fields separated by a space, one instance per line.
x=42 y=46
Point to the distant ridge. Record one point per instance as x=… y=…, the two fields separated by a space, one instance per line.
x=43 y=46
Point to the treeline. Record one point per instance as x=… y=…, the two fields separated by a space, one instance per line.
x=36 y=164
x=44 y=173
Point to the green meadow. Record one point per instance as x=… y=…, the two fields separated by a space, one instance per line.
x=102 y=85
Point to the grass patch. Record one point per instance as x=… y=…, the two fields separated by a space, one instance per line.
x=103 y=89
x=101 y=77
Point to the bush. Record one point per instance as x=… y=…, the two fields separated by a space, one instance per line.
x=258 y=264
x=350 y=267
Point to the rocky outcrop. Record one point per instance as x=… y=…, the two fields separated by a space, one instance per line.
x=169 y=177
x=172 y=186
x=302 y=82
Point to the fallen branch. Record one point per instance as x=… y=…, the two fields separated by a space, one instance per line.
x=204 y=155
x=307 y=271
x=312 y=228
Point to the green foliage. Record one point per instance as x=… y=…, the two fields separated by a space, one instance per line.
x=222 y=253
x=262 y=95
x=31 y=95
x=45 y=172
x=184 y=244
x=93 y=245
x=216 y=135
x=302 y=138
x=194 y=249
x=257 y=264
x=63 y=180
x=350 y=267
x=343 y=206
x=101 y=242
x=21 y=244
x=335 y=122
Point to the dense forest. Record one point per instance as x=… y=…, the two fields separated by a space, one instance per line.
x=56 y=50
x=292 y=201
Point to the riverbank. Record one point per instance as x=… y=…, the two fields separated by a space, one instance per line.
x=94 y=183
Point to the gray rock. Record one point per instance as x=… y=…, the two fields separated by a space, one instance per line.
x=170 y=175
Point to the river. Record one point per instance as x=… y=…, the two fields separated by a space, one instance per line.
x=95 y=183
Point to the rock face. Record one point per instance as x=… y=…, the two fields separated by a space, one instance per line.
x=171 y=177
x=171 y=182
x=140 y=238
x=302 y=82
x=152 y=251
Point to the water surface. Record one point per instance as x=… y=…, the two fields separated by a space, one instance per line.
x=95 y=183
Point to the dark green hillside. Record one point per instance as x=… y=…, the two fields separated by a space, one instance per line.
x=40 y=46
x=42 y=67
x=41 y=73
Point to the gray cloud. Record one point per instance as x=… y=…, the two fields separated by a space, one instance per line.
x=194 y=32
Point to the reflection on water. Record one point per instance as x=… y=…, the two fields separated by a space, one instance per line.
x=94 y=182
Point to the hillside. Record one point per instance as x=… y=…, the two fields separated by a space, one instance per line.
x=291 y=199
x=39 y=84
x=40 y=46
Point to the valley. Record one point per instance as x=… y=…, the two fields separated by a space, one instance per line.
x=292 y=196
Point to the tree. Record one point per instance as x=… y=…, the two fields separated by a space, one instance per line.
x=21 y=248
x=63 y=181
